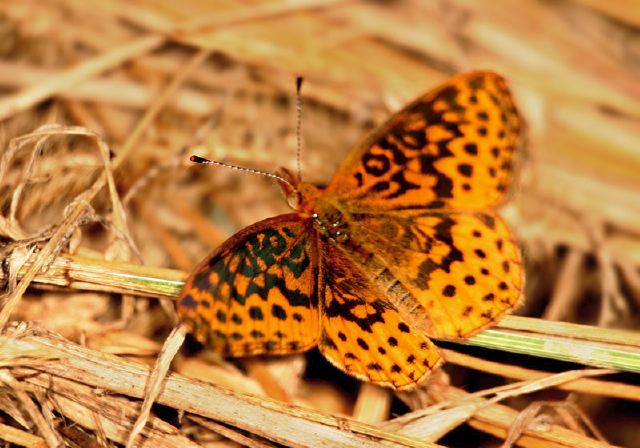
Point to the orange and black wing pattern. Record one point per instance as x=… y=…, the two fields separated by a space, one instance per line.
x=450 y=149
x=458 y=272
x=363 y=333
x=257 y=293
x=419 y=194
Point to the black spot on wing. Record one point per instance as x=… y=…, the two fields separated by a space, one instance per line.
x=255 y=313
x=189 y=302
x=278 y=312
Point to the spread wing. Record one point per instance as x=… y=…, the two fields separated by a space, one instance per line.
x=450 y=149
x=256 y=293
x=419 y=194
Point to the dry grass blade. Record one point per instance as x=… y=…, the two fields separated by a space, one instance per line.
x=583 y=385
x=522 y=422
x=496 y=419
x=108 y=416
x=92 y=274
x=91 y=67
x=82 y=201
x=373 y=404
x=282 y=423
x=257 y=13
x=432 y=423
x=21 y=438
x=158 y=374
x=58 y=237
x=48 y=433
x=527 y=417
x=236 y=436
x=107 y=91
x=610 y=335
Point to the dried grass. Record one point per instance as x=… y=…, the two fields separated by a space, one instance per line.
x=102 y=215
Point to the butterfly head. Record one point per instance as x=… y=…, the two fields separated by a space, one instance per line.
x=299 y=194
x=310 y=202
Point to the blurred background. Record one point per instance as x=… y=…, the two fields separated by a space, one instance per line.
x=222 y=77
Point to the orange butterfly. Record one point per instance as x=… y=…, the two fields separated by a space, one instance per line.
x=401 y=246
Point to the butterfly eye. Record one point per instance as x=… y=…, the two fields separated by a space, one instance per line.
x=294 y=199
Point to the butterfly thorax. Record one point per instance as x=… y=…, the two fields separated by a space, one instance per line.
x=313 y=203
x=330 y=221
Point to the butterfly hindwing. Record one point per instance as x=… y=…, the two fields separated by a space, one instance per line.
x=257 y=293
x=450 y=149
x=454 y=273
x=362 y=333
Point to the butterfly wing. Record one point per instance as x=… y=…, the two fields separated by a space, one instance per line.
x=256 y=293
x=453 y=274
x=418 y=194
x=450 y=149
x=362 y=333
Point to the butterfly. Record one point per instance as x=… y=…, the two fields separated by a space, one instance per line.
x=401 y=246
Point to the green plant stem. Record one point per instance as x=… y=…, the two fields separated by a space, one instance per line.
x=582 y=344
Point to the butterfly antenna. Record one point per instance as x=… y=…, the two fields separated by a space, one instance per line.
x=198 y=159
x=299 y=125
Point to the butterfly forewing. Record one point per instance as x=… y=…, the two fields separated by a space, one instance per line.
x=450 y=149
x=257 y=293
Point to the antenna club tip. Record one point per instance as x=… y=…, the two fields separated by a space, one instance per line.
x=299 y=80
x=197 y=159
